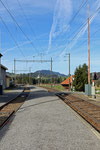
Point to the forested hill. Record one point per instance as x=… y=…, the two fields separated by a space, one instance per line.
x=47 y=73
x=43 y=73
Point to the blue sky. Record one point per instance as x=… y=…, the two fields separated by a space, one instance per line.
x=53 y=28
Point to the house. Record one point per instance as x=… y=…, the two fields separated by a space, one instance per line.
x=3 y=76
x=65 y=83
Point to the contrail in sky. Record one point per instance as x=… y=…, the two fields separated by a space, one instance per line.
x=10 y=49
x=61 y=18
x=96 y=9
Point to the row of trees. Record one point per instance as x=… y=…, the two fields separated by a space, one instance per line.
x=26 y=79
x=80 y=78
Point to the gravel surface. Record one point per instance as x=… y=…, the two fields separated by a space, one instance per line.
x=44 y=122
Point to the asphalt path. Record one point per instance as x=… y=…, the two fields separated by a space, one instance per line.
x=45 y=122
x=9 y=95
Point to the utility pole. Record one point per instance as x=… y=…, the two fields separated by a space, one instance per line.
x=22 y=78
x=39 y=70
x=51 y=71
x=15 y=70
x=69 y=69
x=29 y=75
x=88 y=49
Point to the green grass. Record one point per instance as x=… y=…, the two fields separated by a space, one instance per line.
x=97 y=90
x=56 y=86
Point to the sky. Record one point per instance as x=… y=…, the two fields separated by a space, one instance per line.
x=41 y=29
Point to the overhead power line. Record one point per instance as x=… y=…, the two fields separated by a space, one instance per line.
x=86 y=39
x=11 y=35
x=81 y=6
x=73 y=18
x=83 y=26
x=86 y=23
x=28 y=22
x=17 y=24
x=80 y=30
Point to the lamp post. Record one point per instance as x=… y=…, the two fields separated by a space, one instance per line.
x=68 y=54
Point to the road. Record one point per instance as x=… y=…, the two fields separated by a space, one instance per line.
x=45 y=122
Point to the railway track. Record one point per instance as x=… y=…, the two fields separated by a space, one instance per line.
x=90 y=112
x=8 y=109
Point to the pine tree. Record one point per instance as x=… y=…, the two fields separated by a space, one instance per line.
x=81 y=77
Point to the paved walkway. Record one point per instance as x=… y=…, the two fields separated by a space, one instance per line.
x=9 y=95
x=44 y=122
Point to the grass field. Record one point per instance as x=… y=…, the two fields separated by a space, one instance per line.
x=56 y=86
x=61 y=88
x=97 y=90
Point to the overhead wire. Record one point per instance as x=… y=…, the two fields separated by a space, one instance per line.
x=13 y=18
x=86 y=22
x=33 y=32
x=86 y=40
x=11 y=35
x=80 y=7
x=84 y=25
x=79 y=31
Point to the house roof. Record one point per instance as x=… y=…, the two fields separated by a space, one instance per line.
x=66 y=82
x=3 y=67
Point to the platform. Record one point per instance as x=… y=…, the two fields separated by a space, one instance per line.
x=10 y=94
x=45 y=122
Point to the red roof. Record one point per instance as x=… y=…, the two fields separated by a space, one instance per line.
x=66 y=82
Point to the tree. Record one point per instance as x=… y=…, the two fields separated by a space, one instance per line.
x=81 y=77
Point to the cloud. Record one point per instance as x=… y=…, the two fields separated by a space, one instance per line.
x=61 y=18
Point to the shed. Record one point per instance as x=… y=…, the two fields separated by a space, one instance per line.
x=65 y=83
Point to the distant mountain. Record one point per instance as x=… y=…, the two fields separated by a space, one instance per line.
x=47 y=73
x=43 y=73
